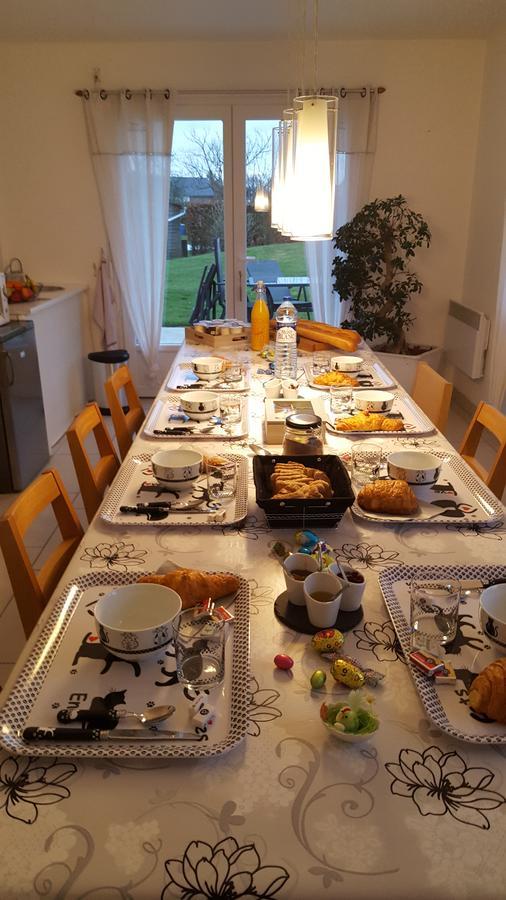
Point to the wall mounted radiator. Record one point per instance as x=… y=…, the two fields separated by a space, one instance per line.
x=466 y=339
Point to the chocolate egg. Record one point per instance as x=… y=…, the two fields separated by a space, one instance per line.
x=347 y=674
x=282 y=661
x=318 y=679
x=327 y=641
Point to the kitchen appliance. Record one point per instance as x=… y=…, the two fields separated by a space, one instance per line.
x=4 y=303
x=24 y=448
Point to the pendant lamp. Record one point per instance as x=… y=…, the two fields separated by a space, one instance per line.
x=261 y=201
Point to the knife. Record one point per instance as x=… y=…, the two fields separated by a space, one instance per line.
x=34 y=733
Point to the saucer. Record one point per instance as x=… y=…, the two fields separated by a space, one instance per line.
x=296 y=617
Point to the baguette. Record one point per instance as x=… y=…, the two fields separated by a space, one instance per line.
x=333 y=329
x=339 y=340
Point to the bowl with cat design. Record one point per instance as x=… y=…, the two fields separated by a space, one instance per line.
x=493 y=614
x=135 y=620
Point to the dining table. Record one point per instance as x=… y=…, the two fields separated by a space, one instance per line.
x=271 y=803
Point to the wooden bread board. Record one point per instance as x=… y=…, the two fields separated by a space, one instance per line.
x=218 y=341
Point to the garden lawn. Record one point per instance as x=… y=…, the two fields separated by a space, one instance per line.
x=183 y=276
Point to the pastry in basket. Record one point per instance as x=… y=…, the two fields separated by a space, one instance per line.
x=366 y=421
x=335 y=378
x=487 y=694
x=298 y=491
x=295 y=481
x=194 y=587
x=385 y=496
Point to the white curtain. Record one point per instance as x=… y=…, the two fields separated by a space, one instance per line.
x=497 y=363
x=356 y=143
x=130 y=137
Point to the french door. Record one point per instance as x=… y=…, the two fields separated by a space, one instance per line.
x=227 y=137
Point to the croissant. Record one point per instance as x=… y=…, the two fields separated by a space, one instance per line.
x=487 y=694
x=193 y=587
x=394 y=497
x=365 y=421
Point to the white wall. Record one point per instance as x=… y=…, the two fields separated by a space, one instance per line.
x=486 y=234
x=427 y=141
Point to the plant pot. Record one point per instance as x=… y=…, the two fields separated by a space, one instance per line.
x=403 y=366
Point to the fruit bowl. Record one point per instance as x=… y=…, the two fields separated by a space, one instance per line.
x=18 y=291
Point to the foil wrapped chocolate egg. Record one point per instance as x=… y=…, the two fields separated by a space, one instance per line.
x=347 y=674
x=327 y=641
x=318 y=679
x=282 y=661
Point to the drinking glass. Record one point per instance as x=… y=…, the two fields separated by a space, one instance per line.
x=233 y=373
x=321 y=363
x=231 y=408
x=341 y=399
x=221 y=480
x=366 y=461
x=434 y=608
x=200 y=650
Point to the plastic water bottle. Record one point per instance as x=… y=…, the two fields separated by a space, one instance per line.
x=285 y=359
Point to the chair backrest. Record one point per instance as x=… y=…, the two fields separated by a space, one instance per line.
x=126 y=424
x=433 y=394
x=264 y=269
x=487 y=418
x=205 y=300
x=32 y=590
x=93 y=478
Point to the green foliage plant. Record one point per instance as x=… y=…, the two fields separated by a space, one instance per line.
x=371 y=269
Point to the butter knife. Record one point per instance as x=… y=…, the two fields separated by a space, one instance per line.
x=34 y=733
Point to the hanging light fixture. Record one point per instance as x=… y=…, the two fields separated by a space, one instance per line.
x=261 y=201
x=307 y=151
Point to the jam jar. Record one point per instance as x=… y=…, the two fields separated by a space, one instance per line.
x=303 y=435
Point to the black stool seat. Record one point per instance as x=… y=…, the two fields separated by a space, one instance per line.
x=109 y=356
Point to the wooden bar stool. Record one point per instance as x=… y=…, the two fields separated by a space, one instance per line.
x=487 y=418
x=126 y=424
x=93 y=479
x=433 y=394
x=33 y=590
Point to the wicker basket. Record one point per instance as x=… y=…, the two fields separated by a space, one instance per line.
x=303 y=513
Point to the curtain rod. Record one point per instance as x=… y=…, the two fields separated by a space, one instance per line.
x=103 y=94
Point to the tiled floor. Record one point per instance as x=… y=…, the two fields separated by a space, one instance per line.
x=42 y=536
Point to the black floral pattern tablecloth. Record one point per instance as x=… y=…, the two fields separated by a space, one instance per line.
x=290 y=812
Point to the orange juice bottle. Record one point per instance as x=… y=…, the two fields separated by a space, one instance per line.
x=260 y=319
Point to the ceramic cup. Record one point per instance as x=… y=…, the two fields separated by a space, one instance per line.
x=373 y=401
x=290 y=389
x=352 y=590
x=414 y=466
x=346 y=363
x=272 y=388
x=323 y=614
x=493 y=615
x=295 y=586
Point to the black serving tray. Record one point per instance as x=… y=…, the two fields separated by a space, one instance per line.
x=296 y=617
x=303 y=513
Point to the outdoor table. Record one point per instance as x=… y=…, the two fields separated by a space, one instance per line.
x=290 y=811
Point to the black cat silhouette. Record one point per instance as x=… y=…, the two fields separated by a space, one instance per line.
x=475 y=641
x=444 y=489
x=93 y=649
x=101 y=712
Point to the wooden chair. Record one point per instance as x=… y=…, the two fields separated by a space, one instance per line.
x=126 y=424
x=93 y=479
x=32 y=590
x=433 y=394
x=487 y=418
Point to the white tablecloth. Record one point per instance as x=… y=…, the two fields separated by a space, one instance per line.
x=290 y=812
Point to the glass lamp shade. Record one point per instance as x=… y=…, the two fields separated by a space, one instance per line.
x=261 y=202
x=276 y=179
x=310 y=213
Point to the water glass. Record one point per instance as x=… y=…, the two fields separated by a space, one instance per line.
x=200 y=650
x=221 y=480
x=366 y=461
x=233 y=373
x=434 y=608
x=231 y=408
x=341 y=399
x=321 y=363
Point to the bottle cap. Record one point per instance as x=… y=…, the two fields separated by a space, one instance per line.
x=303 y=420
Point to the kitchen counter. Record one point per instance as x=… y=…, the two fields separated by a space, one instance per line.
x=59 y=319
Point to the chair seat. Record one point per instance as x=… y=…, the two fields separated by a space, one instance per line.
x=109 y=357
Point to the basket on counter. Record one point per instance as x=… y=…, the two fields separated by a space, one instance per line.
x=19 y=287
x=325 y=513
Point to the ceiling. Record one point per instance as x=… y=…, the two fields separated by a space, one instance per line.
x=243 y=20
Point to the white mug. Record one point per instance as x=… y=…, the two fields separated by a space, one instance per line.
x=323 y=614
x=290 y=389
x=352 y=591
x=295 y=586
x=272 y=388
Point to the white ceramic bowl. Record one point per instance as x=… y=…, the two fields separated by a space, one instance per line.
x=207 y=367
x=176 y=466
x=414 y=466
x=373 y=401
x=346 y=363
x=135 y=620
x=199 y=404
x=493 y=614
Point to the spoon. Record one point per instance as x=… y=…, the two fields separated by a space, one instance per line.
x=259 y=450
x=149 y=716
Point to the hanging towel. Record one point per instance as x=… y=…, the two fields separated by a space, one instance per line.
x=105 y=306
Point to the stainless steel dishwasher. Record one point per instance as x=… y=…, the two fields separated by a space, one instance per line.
x=24 y=446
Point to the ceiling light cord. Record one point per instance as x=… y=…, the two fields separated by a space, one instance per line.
x=315 y=46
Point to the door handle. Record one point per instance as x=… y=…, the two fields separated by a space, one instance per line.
x=8 y=363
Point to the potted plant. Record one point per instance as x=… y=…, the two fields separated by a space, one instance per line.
x=372 y=272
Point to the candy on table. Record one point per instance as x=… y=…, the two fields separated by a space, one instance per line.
x=327 y=641
x=282 y=661
x=346 y=673
x=353 y=716
x=202 y=711
x=280 y=550
x=309 y=542
x=318 y=679
x=371 y=677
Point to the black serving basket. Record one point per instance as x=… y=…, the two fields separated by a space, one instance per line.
x=303 y=513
